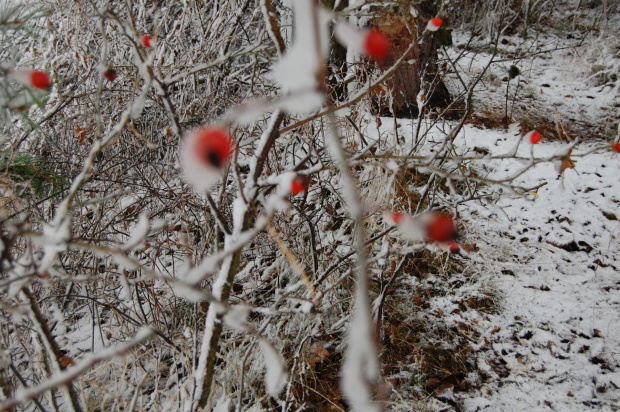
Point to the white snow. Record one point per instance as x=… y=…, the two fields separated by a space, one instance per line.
x=350 y=36
x=361 y=366
x=558 y=321
x=552 y=253
x=79 y=368
x=563 y=305
x=222 y=405
x=236 y=317
x=297 y=71
x=276 y=374
x=138 y=233
x=54 y=240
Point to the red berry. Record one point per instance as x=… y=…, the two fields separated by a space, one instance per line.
x=397 y=217
x=376 y=45
x=40 y=80
x=534 y=137
x=454 y=247
x=441 y=228
x=616 y=147
x=110 y=75
x=434 y=24
x=299 y=184
x=146 y=40
x=213 y=145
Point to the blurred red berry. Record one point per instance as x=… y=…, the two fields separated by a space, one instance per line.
x=299 y=184
x=534 y=137
x=397 y=217
x=441 y=228
x=434 y=24
x=40 y=80
x=110 y=75
x=454 y=247
x=146 y=40
x=376 y=45
x=616 y=147
x=213 y=145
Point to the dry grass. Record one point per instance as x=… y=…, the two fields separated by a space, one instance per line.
x=419 y=338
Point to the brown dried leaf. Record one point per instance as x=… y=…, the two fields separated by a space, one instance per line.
x=80 y=134
x=567 y=163
x=469 y=247
x=317 y=354
x=330 y=209
x=66 y=361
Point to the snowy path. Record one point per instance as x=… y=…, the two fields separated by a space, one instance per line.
x=555 y=260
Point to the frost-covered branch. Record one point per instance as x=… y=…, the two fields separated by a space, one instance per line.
x=67 y=376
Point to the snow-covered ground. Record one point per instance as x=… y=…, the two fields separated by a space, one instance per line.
x=551 y=256
x=551 y=259
x=567 y=84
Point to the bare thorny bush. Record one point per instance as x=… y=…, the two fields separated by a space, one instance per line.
x=125 y=288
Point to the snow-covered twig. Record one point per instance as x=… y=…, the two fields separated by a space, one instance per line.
x=70 y=374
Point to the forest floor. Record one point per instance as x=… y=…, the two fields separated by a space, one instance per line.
x=553 y=256
x=549 y=260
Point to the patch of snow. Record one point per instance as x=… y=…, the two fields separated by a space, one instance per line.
x=222 y=404
x=237 y=316
x=297 y=71
x=276 y=375
x=137 y=233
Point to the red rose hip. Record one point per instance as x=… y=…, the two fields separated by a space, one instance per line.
x=440 y=228
x=299 y=184
x=110 y=75
x=213 y=146
x=434 y=24
x=534 y=136
x=376 y=45
x=40 y=80
x=397 y=217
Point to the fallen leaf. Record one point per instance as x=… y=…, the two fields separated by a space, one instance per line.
x=80 y=134
x=66 y=361
x=567 y=163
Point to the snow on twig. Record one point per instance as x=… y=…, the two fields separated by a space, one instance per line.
x=78 y=369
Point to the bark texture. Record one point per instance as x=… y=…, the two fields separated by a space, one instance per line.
x=401 y=28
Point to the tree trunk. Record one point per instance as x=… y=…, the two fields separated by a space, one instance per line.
x=407 y=80
x=337 y=67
